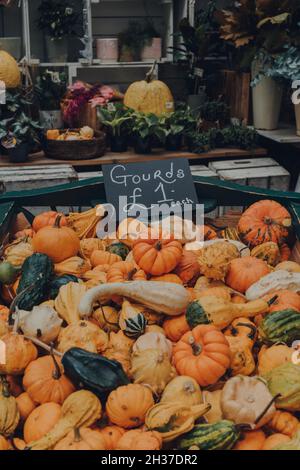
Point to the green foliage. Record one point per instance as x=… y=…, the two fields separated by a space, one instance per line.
x=286 y=66
x=178 y=122
x=138 y=35
x=232 y=136
x=58 y=19
x=22 y=128
x=50 y=89
x=214 y=111
x=116 y=117
x=148 y=125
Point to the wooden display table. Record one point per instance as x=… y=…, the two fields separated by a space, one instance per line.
x=39 y=158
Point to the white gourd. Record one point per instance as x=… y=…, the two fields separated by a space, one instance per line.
x=153 y=340
x=272 y=282
x=42 y=323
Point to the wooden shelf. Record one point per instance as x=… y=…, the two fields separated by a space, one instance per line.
x=285 y=135
x=39 y=159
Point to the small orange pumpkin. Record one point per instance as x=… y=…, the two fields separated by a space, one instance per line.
x=175 y=327
x=45 y=382
x=59 y=243
x=127 y=405
x=264 y=221
x=41 y=420
x=284 y=422
x=25 y=405
x=111 y=436
x=203 y=354
x=19 y=353
x=81 y=439
x=137 y=439
x=125 y=271
x=245 y=271
x=251 y=440
x=47 y=219
x=99 y=257
x=285 y=299
x=168 y=278
x=157 y=256
x=188 y=268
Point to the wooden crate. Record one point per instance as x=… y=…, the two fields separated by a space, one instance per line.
x=15 y=178
x=245 y=163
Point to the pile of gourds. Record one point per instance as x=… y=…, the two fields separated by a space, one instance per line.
x=140 y=343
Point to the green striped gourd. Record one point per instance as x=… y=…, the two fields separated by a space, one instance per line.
x=281 y=326
x=221 y=435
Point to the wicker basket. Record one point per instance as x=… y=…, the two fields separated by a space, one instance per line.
x=76 y=149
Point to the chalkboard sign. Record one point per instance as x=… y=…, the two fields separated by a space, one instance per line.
x=167 y=183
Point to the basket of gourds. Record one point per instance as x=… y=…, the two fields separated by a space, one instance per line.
x=74 y=144
x=195 y=341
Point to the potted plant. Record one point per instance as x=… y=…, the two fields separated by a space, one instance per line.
x=262 y=28
x=286 y=68
x=18 y=135
x=49 y=90
x=116 y=118
x=130 y=42
x=174 y=124
x=147 y=127
x=58 y=21
x=213 y=114
x=152 y=43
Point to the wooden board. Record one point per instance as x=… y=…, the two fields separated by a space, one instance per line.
x=282 y=136
x=131 y=157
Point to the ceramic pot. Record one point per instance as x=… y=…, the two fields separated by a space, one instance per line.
x=152 y=51
x=107 y=50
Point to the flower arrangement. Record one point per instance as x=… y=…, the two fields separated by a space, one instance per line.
x=57 y=19
x=80 y=93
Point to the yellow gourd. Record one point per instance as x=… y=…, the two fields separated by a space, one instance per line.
x=16 y=252
x=67 y=301
x=80 y=409
x=75 y=266
x=9 y=70
x=149 y=96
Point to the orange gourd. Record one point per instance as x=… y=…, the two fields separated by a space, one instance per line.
x=47 y=219
x=202 y=354
x=284 y=422
x=175 y=327
x=19 y=353
x=4 y=313
x=25 y=405
x=111 y=436
x=209 y=233
x=99 y=257
x=44 y=381
x=264 y=221
x=285 y=252
x=274 y=440
x=157 y=256
x=88 y=245
x=129 y=230
x=168 y=278
x=4 y=444
x=245 y=271
x=59 y=243
x=188 y=268
x=125 y=271
x=41 y=420
x=251 y=440
x=137 y=439
x=127 y=405
x=81 y=439
x=285 y=299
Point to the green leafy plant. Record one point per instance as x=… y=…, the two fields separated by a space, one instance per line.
x=286 y=66
x=232 y=136
x=214 y=111
x=117 y=118
x=57 y=19
x=148 y=125
x=15 y=103
x=24 y=129
x=50 y=89
x=174 y=123
x=137 y=36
